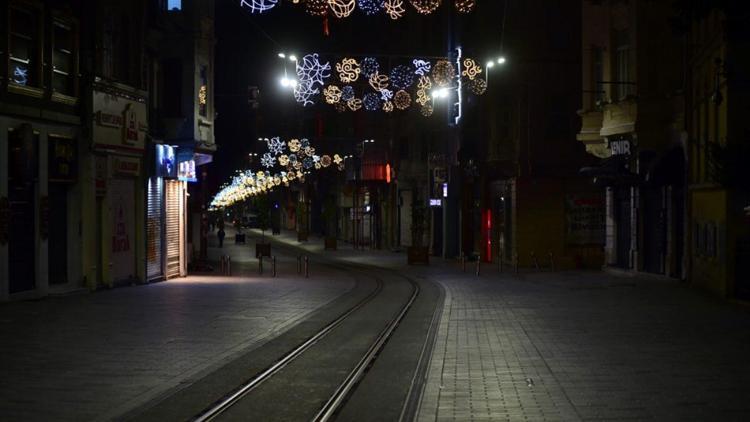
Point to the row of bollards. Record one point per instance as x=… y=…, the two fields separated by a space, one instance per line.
x=500 y=263
x=225 y=265
x=303 y=264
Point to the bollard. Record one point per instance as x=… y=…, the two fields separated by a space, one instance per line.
x=299 y=264
x=307 y=267
x=221 y=265
x=273 y=267
x=535 y=261
x=229 y=266
x=552 y=262
x=479 y=264
x=515 y=262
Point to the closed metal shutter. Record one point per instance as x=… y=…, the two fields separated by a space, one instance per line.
x=173 y=235
x=154 y=223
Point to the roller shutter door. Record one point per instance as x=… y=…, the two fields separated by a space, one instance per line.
x=174 y=233
x=154 y=223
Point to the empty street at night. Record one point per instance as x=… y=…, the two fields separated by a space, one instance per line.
x=374 y=210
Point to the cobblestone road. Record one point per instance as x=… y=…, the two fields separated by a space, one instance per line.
x=586 y=347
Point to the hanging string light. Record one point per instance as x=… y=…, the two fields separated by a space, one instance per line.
x=259 y=6
x=402 y=77
x=370 y=7
x=465 y=6
x=354 y=104
x=332 y=94
x=402 y=100
x=371 y=101
x=471 y=69
x=369 y=66
x=427 y=109
x=388 y=106
x=478 y=86
x=425 y=7
x=443 y=73
x=378 y=82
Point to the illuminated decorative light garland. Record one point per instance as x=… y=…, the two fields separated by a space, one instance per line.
x=423 y=98
x=425 y=7
x=394 y=8
x=386 y=94
x=294 y=145
x=369 y=66
x=354 y=104
x=443 y=73
x=259 y=6
x=388 y=106
x=378 y=82
x=402 y=77
x=370 y=7
x=316 y=7
x=348 y=70
x=478 y=86
x=427 y=109
x=424 y=83
x=332 y=94
x=340 y=106
x=465 y=6
x=471 y=69
x=402 y=100
x=342 y=8
x=276 y=146
x=310 y=72
x=423 y=67
x=347 y=93
x=371 y=101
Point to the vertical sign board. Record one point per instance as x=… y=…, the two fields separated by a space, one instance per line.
x=585 y=219
x=122 y=212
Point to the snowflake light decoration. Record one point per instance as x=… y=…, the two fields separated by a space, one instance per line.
x=348 y=70
x=303 y=93
x=402 y=77
x=268 y=160
x=370 y=7
x=394 y=8
x=284 y=160
x=347 y=93
x=443 y=72
x=425 y=7
x=371 y=101
x=379 y=82
x=276 y=146
x=402 y=100
x=342 y=8
x=332 y=94
x=471 y=69
x=369 y=66
x=259 y=6
x=423 y=67
x=310 y=69
x=337 y=159
x=354 y=104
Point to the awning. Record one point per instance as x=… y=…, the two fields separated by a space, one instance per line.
x=611 y=171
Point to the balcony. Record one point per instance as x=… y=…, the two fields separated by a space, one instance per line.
x=590 y=134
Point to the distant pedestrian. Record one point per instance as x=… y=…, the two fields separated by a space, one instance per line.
x=221 y=235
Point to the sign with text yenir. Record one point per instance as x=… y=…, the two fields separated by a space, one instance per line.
x=119 y=122
x=621 y=145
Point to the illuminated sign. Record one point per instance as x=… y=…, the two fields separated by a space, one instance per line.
x=166 y=165
x=436 y=203
x=445 y=190
x=186 y=171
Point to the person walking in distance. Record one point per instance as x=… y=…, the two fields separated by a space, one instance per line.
x=221 y=233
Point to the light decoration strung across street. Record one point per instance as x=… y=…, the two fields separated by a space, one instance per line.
x=386 y=89
x=394 y=9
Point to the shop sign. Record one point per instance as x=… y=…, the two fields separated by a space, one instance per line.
x=109 y=120
x=4 y=220
x=436 y=203
x=130 y=133
x=165 y=161
x=186 y=171
x=620 y=146
x=120 y=121
x=44 y=217
x=585 y=219
x=129 y=167
x=63 y=160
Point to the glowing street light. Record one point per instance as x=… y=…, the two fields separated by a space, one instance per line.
x=440 y=93
x=292 y=58
x=282 y=55
x=490 y=64
x=288 y=82
x=501 y=60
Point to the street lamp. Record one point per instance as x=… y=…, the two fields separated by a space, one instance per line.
x=440 y=93
x=501 y=60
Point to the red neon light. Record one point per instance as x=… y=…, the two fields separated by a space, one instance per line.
x=388 y=173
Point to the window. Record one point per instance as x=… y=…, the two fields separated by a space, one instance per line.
x=203 y=92
x=23 y=62
x=63 y=58
x=174 y=5
x=597 y=75
x=622 y=64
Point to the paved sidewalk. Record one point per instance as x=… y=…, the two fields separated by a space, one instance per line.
x=99 y=355
x=585 y=346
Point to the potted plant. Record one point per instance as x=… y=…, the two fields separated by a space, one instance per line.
x=262 y=248
x=416 y=253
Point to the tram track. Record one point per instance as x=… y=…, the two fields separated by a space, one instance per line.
x=338 y=398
